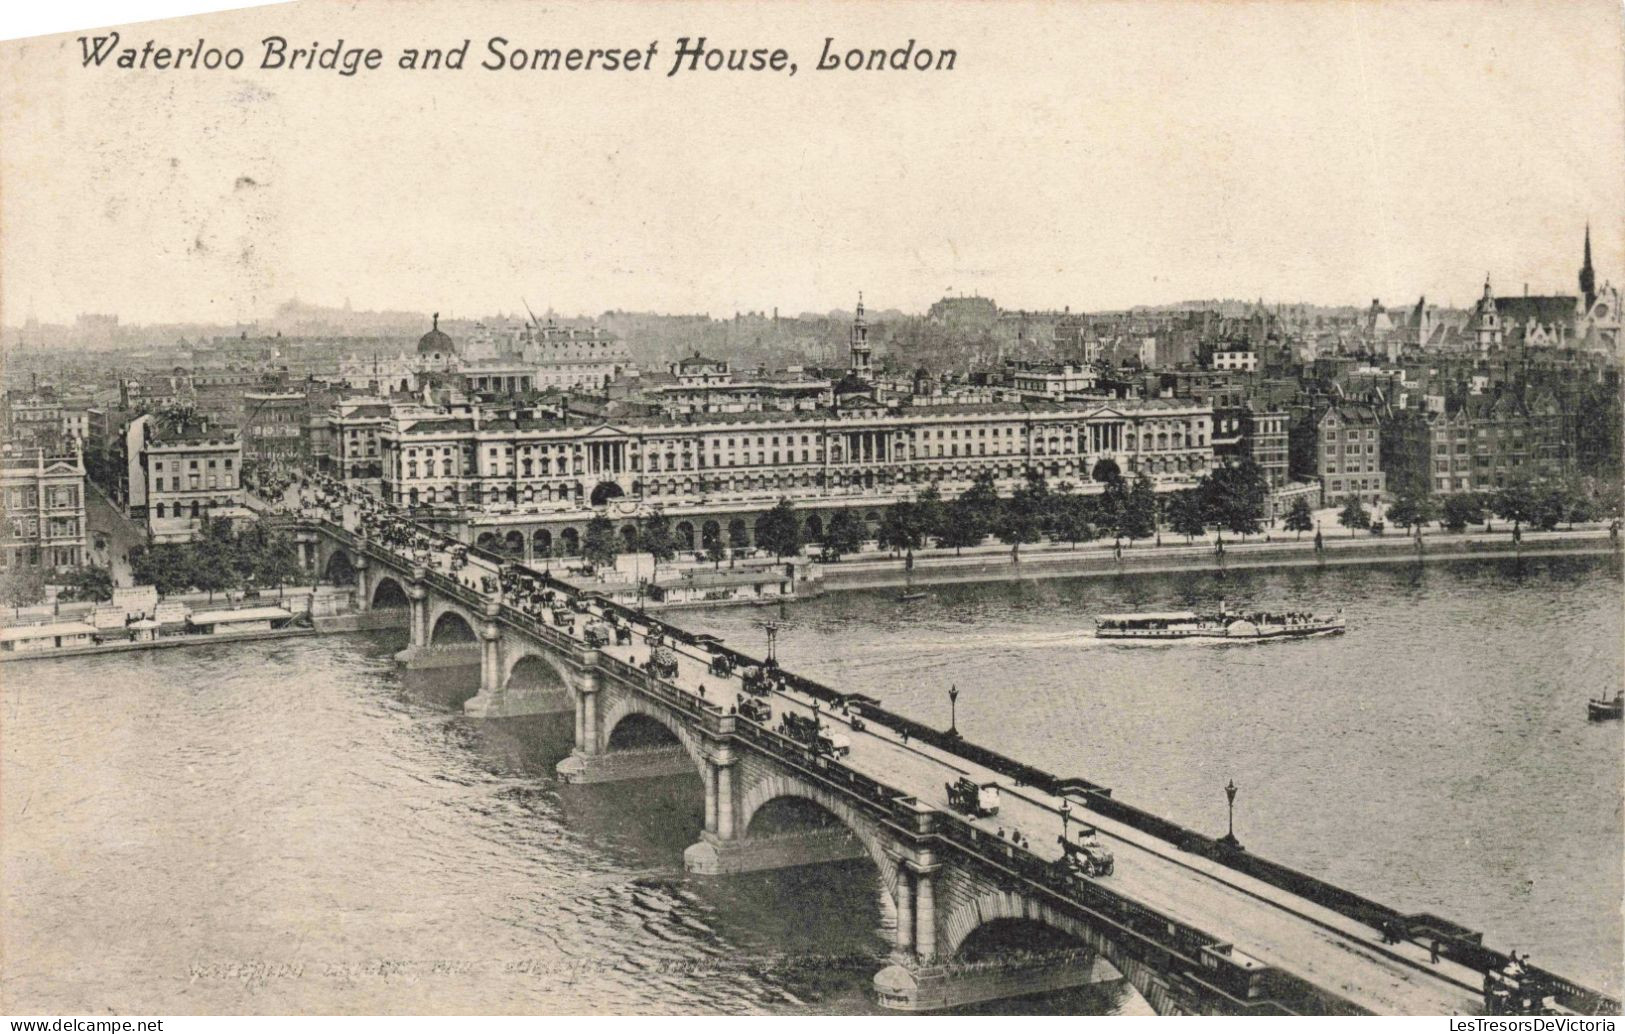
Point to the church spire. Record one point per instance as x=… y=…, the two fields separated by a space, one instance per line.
x=859 y=344
x=1588 y=278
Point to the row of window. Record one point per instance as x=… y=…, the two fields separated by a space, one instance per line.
x=58 y=556
x=567 y=466
x=1354 y=485
x=56 y=497
x=56 y=527
x=192 y=483
x=195 y=508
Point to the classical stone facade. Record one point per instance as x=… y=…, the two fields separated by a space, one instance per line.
x=534 y=477
x=43 y=495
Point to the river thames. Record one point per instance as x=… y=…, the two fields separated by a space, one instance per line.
x=297 y=826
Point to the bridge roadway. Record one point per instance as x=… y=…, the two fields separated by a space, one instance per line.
x=1261 y=921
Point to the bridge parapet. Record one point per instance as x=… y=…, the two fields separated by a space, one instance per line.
x=1202 y=969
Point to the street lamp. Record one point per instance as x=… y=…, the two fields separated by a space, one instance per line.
x=772 y=628
x=953 y=710
x=1230 y=836
x=1066 y=814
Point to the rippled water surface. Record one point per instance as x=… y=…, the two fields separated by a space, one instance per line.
x=298 y=826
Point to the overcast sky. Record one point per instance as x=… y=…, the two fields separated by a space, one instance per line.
x=1091 y=155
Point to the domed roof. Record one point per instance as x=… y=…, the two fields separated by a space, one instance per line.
x=436 y=341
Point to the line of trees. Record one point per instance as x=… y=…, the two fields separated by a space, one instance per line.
x=24 y=586
x=219 y=560
x=1523 y=502
x=1233 y=498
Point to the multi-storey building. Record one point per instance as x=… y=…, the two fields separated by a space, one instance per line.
x=274 y=427
x=181 y=474
x=44 y=496
x=532 y=484
x=1488 y=440
x=1264 y=441
x=353 y=429
x=33 y=419
x=1053 y=381
x=789 y=391
x=1348 y=454
x=1229 y=358
x=219 y=393
x=535 y=358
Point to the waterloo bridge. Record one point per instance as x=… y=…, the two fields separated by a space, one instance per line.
x=1196 y=925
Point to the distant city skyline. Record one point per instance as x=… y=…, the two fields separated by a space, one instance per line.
x=1324 y=154
x=450 y=314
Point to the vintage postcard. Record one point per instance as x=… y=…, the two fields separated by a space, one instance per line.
x=824 y=508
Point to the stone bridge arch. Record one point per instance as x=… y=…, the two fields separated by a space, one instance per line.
x=389 y=594
x=339 y=568
x=533 y=659
x=447 y=623
x=779 y=787
x=972 y=912
x=627 y=705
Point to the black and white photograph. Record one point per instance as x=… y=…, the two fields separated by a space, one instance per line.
x=833 y=508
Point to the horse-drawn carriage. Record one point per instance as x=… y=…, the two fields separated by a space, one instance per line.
x=598 y=634
x=1087 y=857
x=808 y=732
x=1514 y=991
x=757 y=681
x=662 y=663
x=973 y=798
x=756 y=710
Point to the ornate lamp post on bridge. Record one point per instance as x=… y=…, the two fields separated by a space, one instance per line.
x=1229 y=839
x=953 y=711
x=1066 y=814
x=772 y=628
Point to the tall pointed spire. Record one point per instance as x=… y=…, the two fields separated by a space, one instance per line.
x=859 y=344
x=1588 y=277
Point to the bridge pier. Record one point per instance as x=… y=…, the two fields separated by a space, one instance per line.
x=434 y=658
x=590 y=762
x=724 y=849
x=912 y=986
x=714 y=856
x=417 y=602
x=617 y=766
x=491 y=649
x=363 y=583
